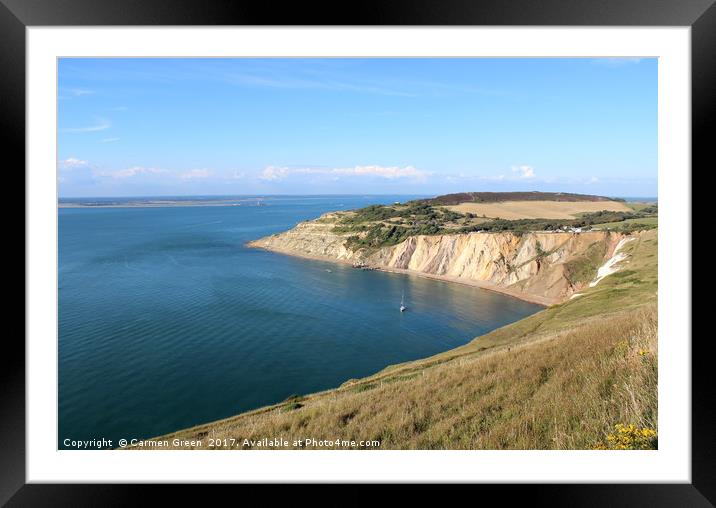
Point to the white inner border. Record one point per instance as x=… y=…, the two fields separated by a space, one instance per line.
x=671 y=463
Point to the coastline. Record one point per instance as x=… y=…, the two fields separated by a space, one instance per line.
x=192 y=204
x=544 y=301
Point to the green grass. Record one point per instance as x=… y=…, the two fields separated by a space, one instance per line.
x=638 y=206
x=651 y=222
x=581 y=270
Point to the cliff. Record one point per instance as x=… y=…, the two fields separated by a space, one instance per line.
x=543 y=267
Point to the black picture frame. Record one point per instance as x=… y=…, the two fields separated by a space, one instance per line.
x=700 y=15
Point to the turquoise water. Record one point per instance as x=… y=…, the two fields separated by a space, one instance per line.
x=166 y=319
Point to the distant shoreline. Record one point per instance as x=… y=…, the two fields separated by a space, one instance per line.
x=163 y=204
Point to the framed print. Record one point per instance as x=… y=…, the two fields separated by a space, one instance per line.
x=419 y=245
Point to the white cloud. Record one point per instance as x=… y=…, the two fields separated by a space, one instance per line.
x=136 y=171
x=71 y=163
x=524 y=172
x=390 y=172
x=100 y=125
x=194 y=174
x=109 y=140
x=75 y=170
x=274 y=173
x=133 y=171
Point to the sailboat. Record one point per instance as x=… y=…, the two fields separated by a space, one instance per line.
x=402 y=303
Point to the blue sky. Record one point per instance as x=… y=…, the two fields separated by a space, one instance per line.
x=143 y=127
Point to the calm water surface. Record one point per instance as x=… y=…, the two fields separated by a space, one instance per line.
x=166 y=319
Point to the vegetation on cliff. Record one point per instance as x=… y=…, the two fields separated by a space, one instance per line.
x=378 y=226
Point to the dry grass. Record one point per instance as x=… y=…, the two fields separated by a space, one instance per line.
x=559 y=379
x=538 y=209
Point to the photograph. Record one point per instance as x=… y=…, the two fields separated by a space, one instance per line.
x=357 y=253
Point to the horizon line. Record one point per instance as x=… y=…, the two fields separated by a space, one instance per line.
x=139 y=196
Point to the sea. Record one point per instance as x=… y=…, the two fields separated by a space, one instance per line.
x=167 y=320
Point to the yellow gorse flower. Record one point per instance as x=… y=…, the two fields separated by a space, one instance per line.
x=629 y=437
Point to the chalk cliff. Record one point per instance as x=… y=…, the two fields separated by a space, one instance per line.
x=542 y=267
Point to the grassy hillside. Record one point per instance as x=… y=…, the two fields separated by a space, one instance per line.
x=497 y=197
x=577 y=375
